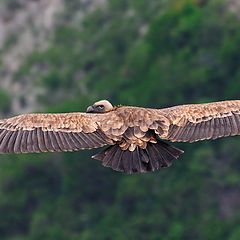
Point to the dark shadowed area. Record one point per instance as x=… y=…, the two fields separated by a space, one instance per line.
x=61 y=56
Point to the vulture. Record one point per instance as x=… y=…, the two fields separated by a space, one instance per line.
x=135 y=136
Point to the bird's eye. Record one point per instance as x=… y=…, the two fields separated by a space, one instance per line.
x=101 y=106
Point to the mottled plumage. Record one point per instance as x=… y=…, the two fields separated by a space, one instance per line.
x=134 y=134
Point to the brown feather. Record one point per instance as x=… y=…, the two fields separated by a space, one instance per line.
x=233 y=124
x=12 y=141
x=17 y=146
x=64 y=142
x=30 y=142
x=82 y=143
x=51 y=132
x=202 y=121
x=41 y=142
x=4 y=142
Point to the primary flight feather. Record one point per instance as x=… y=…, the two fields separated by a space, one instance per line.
x=133 y=134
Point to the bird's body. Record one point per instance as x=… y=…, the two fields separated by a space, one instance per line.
x=134 y=134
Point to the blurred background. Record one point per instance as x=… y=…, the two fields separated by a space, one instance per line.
x=60 y=56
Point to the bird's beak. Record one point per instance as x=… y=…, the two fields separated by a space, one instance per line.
x=90 y=109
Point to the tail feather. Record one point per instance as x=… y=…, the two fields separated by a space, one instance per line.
x=149 y=164
x=144 y=160
x=136 y=161
x=156 y=160
x=126 y=158
x=109 y=156
x=166 y=158
x=117 y=160
x=155 y=156
x=144 y=155
x=100 y=156
x=171 y=150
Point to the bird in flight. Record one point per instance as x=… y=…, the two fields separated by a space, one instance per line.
x=134 y=135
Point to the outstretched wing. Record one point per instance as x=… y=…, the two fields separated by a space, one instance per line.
x=51 y=133
x=191 y=123
x=76 y=131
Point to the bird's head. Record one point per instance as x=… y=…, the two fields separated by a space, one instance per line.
x=100 y=107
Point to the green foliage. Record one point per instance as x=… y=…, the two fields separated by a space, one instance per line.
x=5 y=102
x=150 y=54
x=186 y=50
